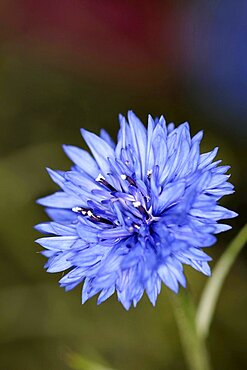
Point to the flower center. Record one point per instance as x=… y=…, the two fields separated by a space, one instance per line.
x=127 y=207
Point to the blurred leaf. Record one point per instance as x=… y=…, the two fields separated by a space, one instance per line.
x=78 y=362
x=214 y=285
x=194 y=347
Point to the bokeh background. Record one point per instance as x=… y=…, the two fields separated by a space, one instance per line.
x=69 y=64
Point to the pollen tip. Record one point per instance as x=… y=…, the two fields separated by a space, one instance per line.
x=137 y=204
x=99 y=178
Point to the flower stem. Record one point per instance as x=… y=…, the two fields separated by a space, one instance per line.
x=213 y=287
x=193 y=345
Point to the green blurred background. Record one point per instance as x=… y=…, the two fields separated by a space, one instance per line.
x=71 y=64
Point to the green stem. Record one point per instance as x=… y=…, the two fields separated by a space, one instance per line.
x=213 y=287
x=194 y=347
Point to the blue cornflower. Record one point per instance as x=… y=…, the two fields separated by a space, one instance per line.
x=129 y=217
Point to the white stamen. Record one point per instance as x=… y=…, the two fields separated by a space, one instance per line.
x=123 y=177
x=99 y=178
x=149 y=173
x=89 y=213
x=136 y=204
x=79 y=210
x=137 y=226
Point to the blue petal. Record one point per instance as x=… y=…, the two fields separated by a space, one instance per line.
x=177 y=269
x=107 y=138
x=123 y=136
x=85 y=182
x=89 y=290
x=60 y=200
x=170 y=127
x=197 y=254
x=207 y=158
x=153 y=287
x=169 y=196
x=100 y=149
x=139 y=141
x=57 y=242
x=219 y=228
x=159 y=147
x=124 y=300
x=72 y=279
x=45 y=228
x=58 y=263
x=56 y=228
x=168 y=278
x=61 y=215
x=82 y=159
x=201 y=266
x=57 y=176
x=105 y=294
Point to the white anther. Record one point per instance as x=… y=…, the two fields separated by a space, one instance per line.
x=149 y=173
x=79 y=210
x=137 y=226
x=123 y=177
x=99 y=178
x=136 y=204
x=89 y=213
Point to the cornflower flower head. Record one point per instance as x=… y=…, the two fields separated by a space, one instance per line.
x=129 y=217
